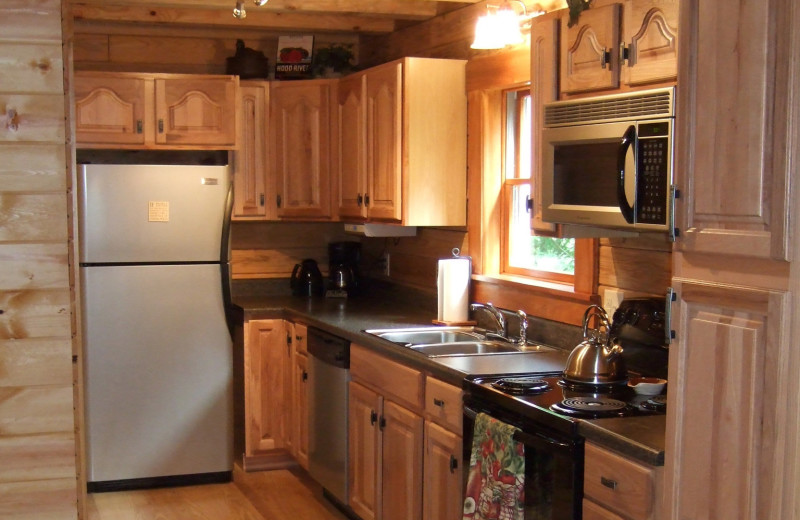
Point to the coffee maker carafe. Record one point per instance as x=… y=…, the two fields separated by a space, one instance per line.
x=343 y=260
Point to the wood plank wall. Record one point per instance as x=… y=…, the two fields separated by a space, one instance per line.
x=38 y=466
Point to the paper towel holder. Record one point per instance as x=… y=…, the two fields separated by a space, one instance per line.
x=457 y=254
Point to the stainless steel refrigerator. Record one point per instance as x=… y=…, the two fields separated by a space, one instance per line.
x=154 y=260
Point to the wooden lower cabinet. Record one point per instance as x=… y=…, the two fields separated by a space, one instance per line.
x=442 y=498
x=616 y=488
x=405 y=442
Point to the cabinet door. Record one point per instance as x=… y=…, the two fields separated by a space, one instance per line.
x=651 y=34
x=301 y=141
x=364 y=451
x=544 y=89
x=384 y=98
x=733 y=133
x=196 y=111
x=300 y=409
x=443 y=493
x=250 y=160
x=725 y=455
x=589 y=50
x=401 y=497
x=265 y=346
x=110 y=109
x=352 y=167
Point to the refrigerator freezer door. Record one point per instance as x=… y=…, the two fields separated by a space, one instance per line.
x=158 y=361
x=146 y=213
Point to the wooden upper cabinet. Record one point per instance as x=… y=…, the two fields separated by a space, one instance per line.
x=589 y=57
x=384 y=97
x=651 y=39
x=110 y=109
x=352 y=166
x=597 y=53
x=544 y=89
x=413 y=146
x=155 y=111
x=301 y=143
x=250 y=168
x=196 y=111
x=732 y=164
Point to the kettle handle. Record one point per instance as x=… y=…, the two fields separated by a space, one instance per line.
x=601 y=315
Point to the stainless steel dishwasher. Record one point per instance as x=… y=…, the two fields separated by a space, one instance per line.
x=328 y=375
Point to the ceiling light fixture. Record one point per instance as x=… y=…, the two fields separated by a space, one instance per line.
x=501 y=26
x=239 y=12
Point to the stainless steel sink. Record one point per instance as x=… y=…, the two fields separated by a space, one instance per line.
x=451 y=341
x=428 y=335
x=466 y=348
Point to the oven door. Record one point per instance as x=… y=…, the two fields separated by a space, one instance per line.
x=553 y=465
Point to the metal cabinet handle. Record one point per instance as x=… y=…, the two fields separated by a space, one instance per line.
x=160 y=126
x=453 y=464
x=305 y=375
x=373 y=417
x=359 y=200
x=605 y=58
x=366 y=199
x=609 y=483
x=278 y=200
x=139 y=126
x=438 y=402
x=261 y=199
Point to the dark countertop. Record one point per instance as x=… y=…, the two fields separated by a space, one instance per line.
x=639 y=438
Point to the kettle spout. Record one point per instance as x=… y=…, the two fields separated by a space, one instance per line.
x=613 y=351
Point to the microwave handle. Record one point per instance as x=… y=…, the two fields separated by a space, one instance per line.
x=628 y=140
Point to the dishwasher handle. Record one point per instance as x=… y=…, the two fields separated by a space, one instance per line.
x=328 y=348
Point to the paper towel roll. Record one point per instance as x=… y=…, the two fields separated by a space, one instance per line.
x=453 y=286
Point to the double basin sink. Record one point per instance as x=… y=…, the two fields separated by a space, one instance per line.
x=452 y=341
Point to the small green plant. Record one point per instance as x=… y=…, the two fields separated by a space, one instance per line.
x=335 y=57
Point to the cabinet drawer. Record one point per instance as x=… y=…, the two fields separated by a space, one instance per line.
x=443 y=404
x=592 y=511
x=622 y=486
x=391 y=378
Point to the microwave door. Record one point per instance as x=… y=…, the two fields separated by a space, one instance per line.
x=626 y=180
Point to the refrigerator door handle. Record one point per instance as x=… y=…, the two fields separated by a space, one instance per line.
x=225 y=259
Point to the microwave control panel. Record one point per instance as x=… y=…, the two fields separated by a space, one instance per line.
x=652 y=168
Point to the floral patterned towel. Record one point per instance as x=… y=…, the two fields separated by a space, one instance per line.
x=496 y=476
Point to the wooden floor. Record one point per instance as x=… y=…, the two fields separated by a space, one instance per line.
x=263 y=495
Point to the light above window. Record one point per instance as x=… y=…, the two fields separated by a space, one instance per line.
x=501 y=26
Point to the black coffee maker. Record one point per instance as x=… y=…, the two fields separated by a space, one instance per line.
x=343 y=258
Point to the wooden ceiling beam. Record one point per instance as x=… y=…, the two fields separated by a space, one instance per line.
x=400 y=9
x=256 y=18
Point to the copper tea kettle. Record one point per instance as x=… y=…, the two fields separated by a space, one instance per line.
x=598 y=358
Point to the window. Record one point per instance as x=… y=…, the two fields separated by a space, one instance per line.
x=524 y=253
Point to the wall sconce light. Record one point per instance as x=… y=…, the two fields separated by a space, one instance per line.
x=501 y=26
x=239 y=12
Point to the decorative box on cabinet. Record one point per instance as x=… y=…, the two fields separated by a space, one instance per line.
x=301 y=144
x=402 y=155
x=155 y=111
x=593 y=55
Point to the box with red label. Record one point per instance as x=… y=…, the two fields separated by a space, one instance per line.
x=294 y=57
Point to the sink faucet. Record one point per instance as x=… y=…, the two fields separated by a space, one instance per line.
x=496 y=314
x=523 y=328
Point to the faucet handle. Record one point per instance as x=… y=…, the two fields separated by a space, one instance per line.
x=523 y=328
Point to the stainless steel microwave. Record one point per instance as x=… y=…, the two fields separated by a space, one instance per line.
x=607 y=161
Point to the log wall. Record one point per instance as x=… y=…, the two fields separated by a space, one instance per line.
x=37 y=421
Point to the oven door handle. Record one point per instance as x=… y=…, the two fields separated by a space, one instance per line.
x=535 y=439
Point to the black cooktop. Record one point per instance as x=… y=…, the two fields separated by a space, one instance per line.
x=548 y=400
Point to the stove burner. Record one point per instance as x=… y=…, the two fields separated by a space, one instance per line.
x=598 y=404
x=656 y=403
x=591 y=407
x=522 y=385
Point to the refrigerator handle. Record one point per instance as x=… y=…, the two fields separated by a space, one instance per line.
x=225 y=259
